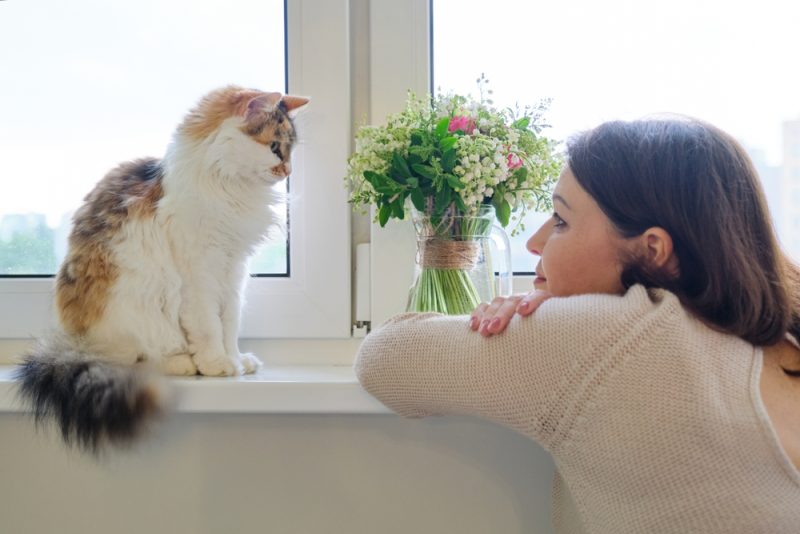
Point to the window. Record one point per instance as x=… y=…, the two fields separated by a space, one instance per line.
x=88 y=85
x=620 y=59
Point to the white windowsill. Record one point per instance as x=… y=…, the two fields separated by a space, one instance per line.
x=309 y=389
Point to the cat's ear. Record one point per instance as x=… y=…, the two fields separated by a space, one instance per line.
x=256 y=105
x=294 y=104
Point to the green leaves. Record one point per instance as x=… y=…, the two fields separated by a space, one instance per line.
x=520 y=175
x=400 y=168
x=521 y=124
x=454 y=182
x=448 y=143
x=384 y=213
x=382 y=183
x=418 y=199
x=424 y=153
x=502 y=208
x=441 y=127
x=442 y=200
x=448 y=160
x=426 y=171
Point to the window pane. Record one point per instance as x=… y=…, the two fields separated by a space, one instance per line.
x=87 y=84
x=724 y=62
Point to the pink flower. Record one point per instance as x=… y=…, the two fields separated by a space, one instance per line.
x=463 y=123
x=514 y=162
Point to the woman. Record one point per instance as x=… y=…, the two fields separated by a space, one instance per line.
x=660 y=369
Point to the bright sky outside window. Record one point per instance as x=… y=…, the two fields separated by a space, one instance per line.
x=729 y=63
x=88 y=84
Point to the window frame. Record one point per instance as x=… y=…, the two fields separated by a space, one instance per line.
x=304 y=304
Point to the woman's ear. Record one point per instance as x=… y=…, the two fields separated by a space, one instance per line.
x=658 y=250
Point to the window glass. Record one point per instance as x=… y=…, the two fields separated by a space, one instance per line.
x=88 y=84
x=729 y=63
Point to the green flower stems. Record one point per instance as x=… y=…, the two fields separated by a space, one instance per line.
x=452 y=291
x=448 y=291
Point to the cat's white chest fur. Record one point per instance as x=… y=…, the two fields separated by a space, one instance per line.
x=142 y=315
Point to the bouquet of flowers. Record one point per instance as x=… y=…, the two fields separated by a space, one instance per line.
x=451 y=157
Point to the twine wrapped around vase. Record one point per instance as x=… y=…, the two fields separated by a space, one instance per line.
x=437 y=253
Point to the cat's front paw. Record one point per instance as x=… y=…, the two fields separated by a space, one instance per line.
x=178 y=365
x=250 y=362
x=218 y=365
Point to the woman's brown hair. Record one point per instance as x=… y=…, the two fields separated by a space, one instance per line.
x=697 y=183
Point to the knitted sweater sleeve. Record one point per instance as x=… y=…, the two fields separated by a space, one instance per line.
x=534 y=377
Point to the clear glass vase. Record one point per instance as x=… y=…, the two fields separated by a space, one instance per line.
x=462 y=260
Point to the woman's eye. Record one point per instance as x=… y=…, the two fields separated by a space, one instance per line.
x=558 y=221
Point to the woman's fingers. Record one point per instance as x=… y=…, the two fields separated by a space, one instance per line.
x=528 y=304
x=477 y=315
x=503 y=313
x=492 y=318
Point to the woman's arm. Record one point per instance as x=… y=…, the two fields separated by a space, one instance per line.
x=532 y=377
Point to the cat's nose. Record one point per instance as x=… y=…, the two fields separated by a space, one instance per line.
x=282 y=169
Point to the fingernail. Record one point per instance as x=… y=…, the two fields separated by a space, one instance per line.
x=484 y=324
x=494 y=324
x=473 y=323
x=524 y=305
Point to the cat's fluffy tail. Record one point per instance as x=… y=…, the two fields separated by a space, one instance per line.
x=95 y=403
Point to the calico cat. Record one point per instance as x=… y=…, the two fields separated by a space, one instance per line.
x=155 y=269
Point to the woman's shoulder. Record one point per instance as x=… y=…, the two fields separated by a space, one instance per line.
x=635 y=305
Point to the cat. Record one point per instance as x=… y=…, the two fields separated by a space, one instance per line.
x=155 y=268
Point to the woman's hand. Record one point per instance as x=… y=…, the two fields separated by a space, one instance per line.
x=490 y=319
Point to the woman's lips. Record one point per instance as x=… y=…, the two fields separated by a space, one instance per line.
x=539 y=280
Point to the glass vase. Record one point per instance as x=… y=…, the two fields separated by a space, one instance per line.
x=461 y=261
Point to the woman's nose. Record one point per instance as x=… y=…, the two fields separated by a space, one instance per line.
x=536 y=242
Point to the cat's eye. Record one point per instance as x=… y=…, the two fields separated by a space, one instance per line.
x=274 y=146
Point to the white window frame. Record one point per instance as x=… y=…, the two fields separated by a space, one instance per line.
x=314 y=301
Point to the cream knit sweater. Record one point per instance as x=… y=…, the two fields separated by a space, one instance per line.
x=655 y=421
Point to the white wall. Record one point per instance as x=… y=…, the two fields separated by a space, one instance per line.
x=280 y=474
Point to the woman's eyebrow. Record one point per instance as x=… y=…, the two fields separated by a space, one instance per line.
x=561 y=199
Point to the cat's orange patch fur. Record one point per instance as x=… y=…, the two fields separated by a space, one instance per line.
x=217 y=106
x=131 y=191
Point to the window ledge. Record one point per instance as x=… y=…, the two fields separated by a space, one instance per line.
x=309 y=389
